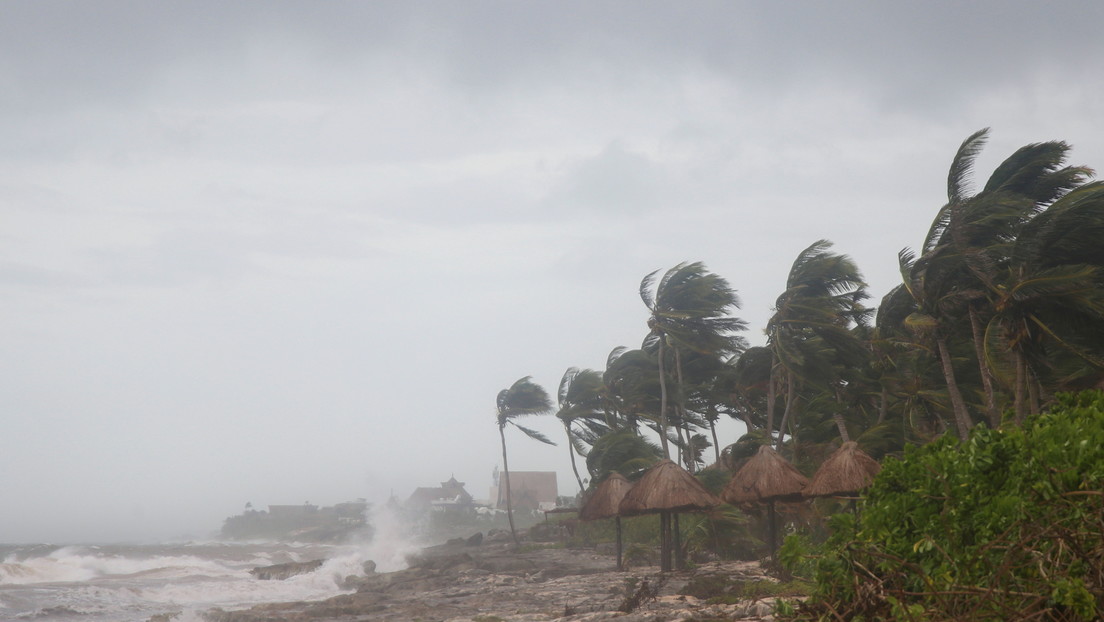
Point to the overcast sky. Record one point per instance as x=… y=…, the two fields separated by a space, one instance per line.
x=290 y=251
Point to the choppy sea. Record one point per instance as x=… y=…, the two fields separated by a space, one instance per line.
x=132 y=582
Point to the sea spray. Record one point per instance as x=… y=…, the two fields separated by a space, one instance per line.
x=117 y=583
x=123 y=583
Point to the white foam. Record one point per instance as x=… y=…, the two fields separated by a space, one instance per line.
x=122 y=582
x=77 y=564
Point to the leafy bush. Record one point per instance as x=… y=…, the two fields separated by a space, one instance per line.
x=1008 y=525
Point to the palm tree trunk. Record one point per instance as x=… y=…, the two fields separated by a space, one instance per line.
x=961 y=415
x=771 y=396
x=571 y=452
x=663 y=401
x=1034 y=389
x=506 y=476
x=840 y=425
x=983 y=367
x=685 y=452
x=1021 y=386
x=716 y=444
x=791 y=392
x=680 y=445
x=883 y=406
x=837 y=416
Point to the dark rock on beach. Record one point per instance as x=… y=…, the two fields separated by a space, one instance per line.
x=458 y=582
x=279 y=572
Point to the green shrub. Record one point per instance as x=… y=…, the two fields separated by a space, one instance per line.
x=1006 y=525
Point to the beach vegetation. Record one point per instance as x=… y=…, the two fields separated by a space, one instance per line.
x=967 y=381
x=1005 y=525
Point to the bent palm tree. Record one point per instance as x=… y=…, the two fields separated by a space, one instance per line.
x=968 y=250
x=810 y=334
x=523 y=398
x=580 y=403
x=1049 y=302
x=688 y=311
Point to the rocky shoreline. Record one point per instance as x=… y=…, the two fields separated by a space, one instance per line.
x=488 y=582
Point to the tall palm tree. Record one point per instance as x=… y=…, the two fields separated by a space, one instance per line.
x=523 y=398
x=1048 y=301
x=581 y=412
x=968 y=246
x=927 y=282
x=810 y=334
x=688 y=311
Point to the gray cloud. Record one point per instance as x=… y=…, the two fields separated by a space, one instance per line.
x=234 y=233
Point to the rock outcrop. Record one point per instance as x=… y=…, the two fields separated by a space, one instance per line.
x=458 y=582
x=279 y=572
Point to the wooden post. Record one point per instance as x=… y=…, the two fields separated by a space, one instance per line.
x=620 y=563
x=680 y=559
x=772 y=531
x=665 y=539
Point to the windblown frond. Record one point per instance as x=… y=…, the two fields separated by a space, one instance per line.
x=962 y=165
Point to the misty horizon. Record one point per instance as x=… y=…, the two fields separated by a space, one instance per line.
x=288 y=252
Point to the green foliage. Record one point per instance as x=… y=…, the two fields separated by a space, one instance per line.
x=798 y=555
x=714 y=480
x=624 y=451
x=1006 y=525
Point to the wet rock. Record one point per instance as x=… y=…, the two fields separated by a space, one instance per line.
x=489 y=582
x=497 y=535
x=476 y=539
x=279 y=572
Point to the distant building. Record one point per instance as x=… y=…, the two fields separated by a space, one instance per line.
x=529 y=490
x=449 y=495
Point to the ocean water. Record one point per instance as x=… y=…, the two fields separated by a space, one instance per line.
x=132 y=582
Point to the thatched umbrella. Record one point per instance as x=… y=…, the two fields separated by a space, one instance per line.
x=766 y=477
x=604 y=502
x=847 y=471
x=667 y=489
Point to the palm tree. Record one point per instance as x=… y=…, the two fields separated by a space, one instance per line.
x=810 y=334
x=623 y=451
x=967 y=249
x=580 y=404
x=631 y=389
x=523 y=398
x=926 y=280
x=1048 y=302
x=688 y=311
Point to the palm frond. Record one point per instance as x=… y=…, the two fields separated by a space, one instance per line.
x=962 y=165
x=646 y=294
x=533 y=434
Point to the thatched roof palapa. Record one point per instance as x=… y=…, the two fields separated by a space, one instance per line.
x=765 y=477
x=848 y=470
x=667 y=487
x=606 y=498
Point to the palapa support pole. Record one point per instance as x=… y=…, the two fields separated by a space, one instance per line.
x=617 y=522
x=772 y=531
x=680 y=559
x=665 y=541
